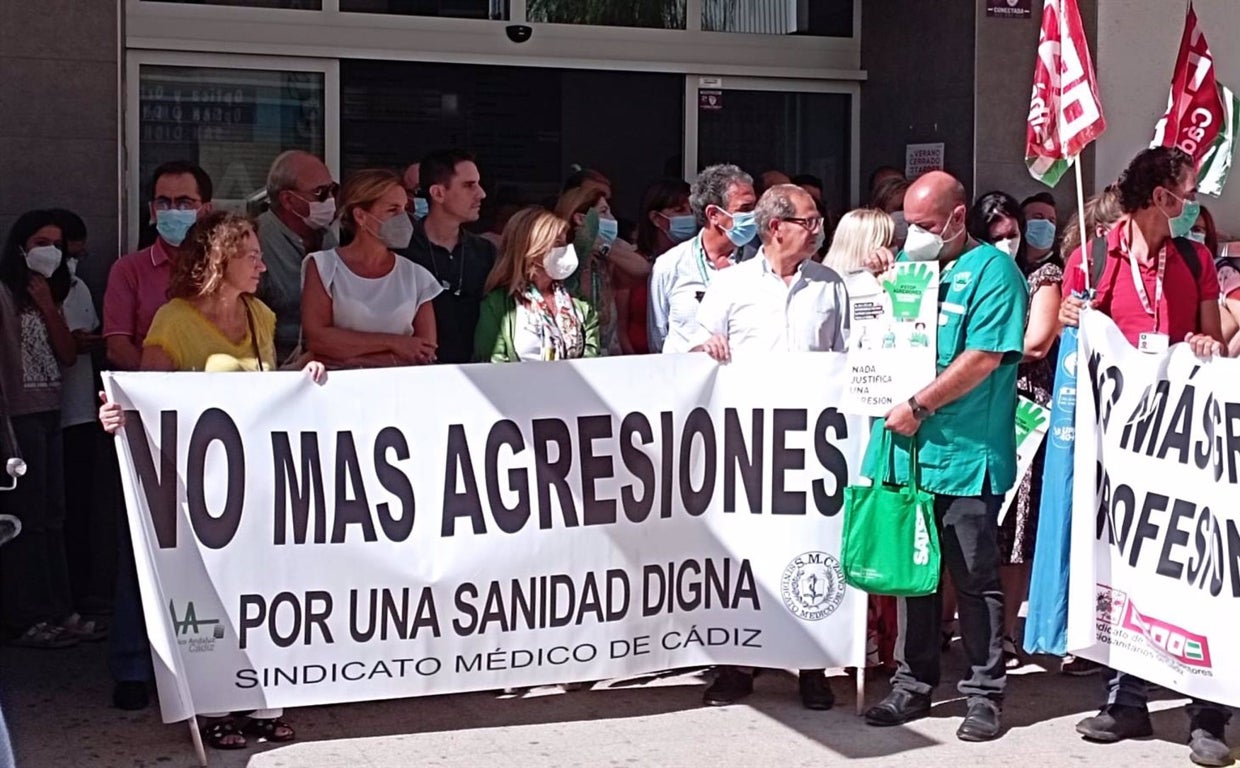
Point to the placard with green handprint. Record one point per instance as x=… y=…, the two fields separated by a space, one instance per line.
x=907 y=286
x=1032 y=423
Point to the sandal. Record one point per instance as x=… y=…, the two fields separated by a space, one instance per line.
x=223 y=734
x=272 y=729
x=44 y=636
x=86 y=630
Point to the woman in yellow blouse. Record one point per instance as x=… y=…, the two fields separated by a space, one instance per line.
x=213 y=322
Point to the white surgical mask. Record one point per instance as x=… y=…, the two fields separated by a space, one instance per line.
x=1197 y=237
x=561 y=262
x=1009 y=245
x=396 y=232
x=43 y=259
x=923 y=245
x=322 y=213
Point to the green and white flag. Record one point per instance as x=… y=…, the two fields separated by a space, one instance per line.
x=1216 y=163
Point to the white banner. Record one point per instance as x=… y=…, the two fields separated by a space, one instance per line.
x=452 y=528
x=893 y=335
x=1155 y=588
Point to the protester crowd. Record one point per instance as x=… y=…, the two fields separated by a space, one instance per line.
x=391 y=268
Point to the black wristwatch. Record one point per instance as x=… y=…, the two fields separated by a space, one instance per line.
x=920 y=412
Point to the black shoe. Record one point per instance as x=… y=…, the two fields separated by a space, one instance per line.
x=1205 y=739
x=730 y=686
x=816 y=690
x=131 y=695
x=981 y=723
x=1116 y=722
x=1075 y=666
x=898 y=708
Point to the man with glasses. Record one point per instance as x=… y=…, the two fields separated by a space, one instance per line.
x=779 y=301
x=302 y=196
x=137 y=288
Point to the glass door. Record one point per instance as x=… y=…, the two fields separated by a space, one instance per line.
x=794 y=126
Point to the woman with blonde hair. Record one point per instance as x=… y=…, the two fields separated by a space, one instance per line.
x=528 y=312
x=362 y=306
x=858 y=235
x=213 y=322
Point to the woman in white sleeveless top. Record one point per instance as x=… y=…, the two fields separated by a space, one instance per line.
x=362 y=305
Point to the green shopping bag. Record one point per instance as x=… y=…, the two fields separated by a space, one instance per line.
x=891 y=540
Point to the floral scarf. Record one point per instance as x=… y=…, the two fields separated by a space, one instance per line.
x=560 y=328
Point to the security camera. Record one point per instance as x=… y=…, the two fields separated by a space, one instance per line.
x=519 y=33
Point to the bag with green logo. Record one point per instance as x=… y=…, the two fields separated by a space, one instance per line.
x=891 y=541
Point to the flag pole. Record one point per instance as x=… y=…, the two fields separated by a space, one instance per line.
x=1076 y=163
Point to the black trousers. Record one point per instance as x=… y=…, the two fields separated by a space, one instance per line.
x=968 y=528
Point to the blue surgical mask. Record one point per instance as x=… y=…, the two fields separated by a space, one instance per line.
x=608 y=231
x=421 y=208
x=1197 y=237
x=1040 y=233
x=681 y=228
x=172 y=225
x=744 y=228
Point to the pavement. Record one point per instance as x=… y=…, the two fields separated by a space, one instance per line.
x=57 y=704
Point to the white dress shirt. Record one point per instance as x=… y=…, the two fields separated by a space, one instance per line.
x=758 y=312
x=678 y=282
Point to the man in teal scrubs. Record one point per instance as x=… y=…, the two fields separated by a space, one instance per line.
x=964 y=425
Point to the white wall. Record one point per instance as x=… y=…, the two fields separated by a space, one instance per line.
x=1137 y=45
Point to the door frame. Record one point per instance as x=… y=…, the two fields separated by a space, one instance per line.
x=134 y=60
x=694 y=84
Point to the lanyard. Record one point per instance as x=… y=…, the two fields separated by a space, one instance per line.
x=701 y=260
x=1139 y=285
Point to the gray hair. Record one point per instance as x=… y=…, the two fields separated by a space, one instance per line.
x=713 y=186
x=776 y=203
x=283 y=174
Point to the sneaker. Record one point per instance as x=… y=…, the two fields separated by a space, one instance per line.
x=44 y=636
x=1075 y=666
x=1205 y=739
x=1116 y=722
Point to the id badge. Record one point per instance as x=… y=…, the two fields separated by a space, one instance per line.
x=1153 y=343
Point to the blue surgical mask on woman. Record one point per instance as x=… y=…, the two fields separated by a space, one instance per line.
x=744 y=228
x=172 y=225
x=681 y=228
x=1040 y=233
x=608 y=231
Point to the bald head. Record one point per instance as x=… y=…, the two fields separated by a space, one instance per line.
x=940 y=190
x=295 y=171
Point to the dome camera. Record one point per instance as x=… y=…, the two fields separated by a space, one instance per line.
x=519 y=33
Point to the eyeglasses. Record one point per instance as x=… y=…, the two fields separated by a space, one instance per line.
x=811 y=223
x=180 y=203
x=322 y=192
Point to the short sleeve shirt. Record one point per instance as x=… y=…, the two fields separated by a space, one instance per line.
x=386 y=304
x=758 y=312
x=969 y=445
x=195 y=344
x=137 y=288
x=1178 y=313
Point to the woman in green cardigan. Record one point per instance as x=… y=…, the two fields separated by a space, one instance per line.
x=528 y=314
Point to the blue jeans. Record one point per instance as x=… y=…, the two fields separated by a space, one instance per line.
x=129 y=656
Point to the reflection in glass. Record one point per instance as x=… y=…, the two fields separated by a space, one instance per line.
x=817 y=18
x=657 y=14
x=495 y=10
x=232 y=122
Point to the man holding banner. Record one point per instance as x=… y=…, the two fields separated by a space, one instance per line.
x=962 y=422
x=1146 y=255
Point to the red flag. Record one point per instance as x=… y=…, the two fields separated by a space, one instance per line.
x=1065 y=114
x=1195 y=114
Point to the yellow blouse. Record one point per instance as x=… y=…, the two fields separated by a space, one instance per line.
x=195 y=344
